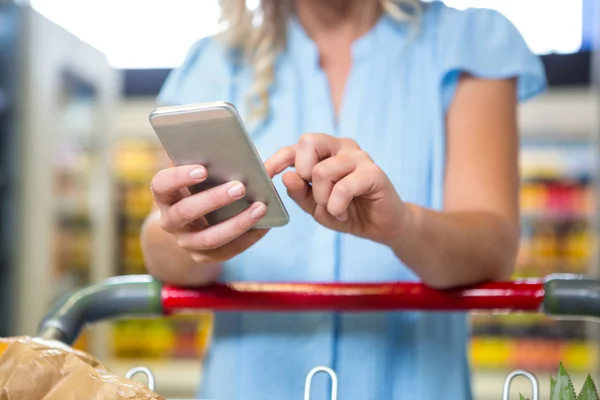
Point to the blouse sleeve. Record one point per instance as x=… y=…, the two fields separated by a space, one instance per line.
x=485 y=44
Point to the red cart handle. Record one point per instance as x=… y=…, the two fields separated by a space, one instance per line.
x=296 y=297
x=134 y=296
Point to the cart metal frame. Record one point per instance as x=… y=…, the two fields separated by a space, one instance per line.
x=558 y=296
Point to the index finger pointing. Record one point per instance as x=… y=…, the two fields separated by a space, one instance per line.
x=281 y=160
x=324 y=146
x=312 y=148
x=166 y=182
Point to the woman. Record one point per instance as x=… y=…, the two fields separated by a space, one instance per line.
x=399 y=119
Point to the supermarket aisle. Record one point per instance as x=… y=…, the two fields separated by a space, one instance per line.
x=93 y=197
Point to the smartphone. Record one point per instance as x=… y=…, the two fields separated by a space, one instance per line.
x=213 y=135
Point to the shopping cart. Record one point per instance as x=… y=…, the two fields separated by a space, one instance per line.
x=558 y=296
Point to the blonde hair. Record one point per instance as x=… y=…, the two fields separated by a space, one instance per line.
x=259 y=34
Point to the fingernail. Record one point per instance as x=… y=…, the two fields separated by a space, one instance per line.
x=236 y=190
x=198 y=173
x=258 y=211
x=343 y=217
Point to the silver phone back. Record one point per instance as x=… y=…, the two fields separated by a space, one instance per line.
x=213 y=135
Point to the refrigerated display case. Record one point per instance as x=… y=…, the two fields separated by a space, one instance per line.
x=61 y=235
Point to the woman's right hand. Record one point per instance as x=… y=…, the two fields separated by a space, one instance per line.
x=182 y=215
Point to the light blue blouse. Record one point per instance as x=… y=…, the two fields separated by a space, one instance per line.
x=394 y=105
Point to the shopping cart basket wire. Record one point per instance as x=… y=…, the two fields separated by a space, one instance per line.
x=144 y=371
x=535 y=387
x=318 y=370
x=307 y=384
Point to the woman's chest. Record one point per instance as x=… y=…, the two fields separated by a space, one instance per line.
x=389 y=112
x=383 y=109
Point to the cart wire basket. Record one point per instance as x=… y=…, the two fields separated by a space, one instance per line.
x=557 y=296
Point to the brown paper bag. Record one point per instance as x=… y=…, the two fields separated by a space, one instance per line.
x=32 y=369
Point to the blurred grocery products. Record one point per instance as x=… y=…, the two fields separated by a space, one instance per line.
x=557 y=200
x=135 y=163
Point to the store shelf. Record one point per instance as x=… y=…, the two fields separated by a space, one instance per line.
x=560 y=114
x=571 y=330
x=557 y=211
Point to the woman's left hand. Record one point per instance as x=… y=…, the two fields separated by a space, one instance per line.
x=342 y=188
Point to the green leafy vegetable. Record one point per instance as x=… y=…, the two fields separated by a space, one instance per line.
x=561 y=388
x=588 y=392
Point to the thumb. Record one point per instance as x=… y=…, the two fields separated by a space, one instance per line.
x=300 y=191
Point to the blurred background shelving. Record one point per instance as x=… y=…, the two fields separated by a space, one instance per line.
x=557 y=197
x=557 y=205
x=135 y=161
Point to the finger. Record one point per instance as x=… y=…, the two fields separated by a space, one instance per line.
x=219 y=235
x=311 y=149
x=236 y=246
x=347 y=189
x=300 y=192
x=194 y=207
x=167 y=182
x=327 y=172
x=281 y=160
